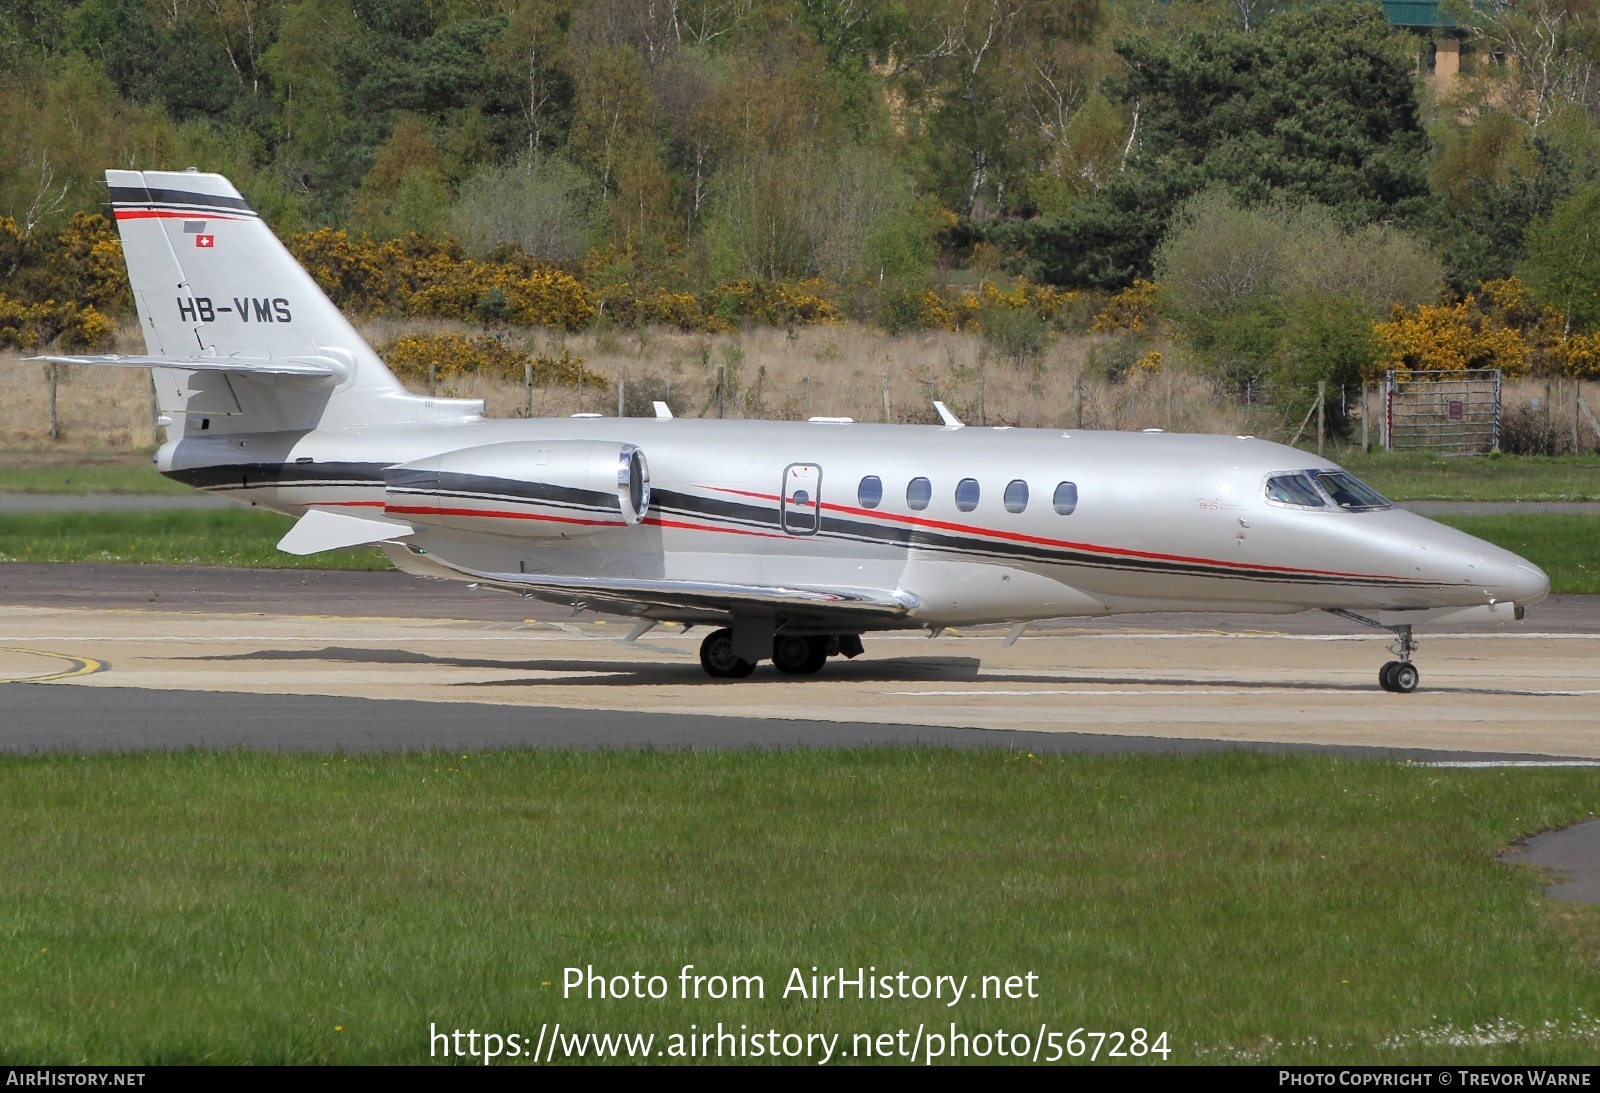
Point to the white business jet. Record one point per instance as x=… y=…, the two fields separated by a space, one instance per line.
x=791 y=539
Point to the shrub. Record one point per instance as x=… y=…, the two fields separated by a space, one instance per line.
x=454 y=356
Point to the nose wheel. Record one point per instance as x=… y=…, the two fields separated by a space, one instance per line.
x=1399 y=676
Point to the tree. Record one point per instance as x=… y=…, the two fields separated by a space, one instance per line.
x=1318 y=104
x=545 y=206
x=1282 y=290
x=1562 y=270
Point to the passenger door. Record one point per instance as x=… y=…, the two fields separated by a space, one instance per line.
x=801 y=501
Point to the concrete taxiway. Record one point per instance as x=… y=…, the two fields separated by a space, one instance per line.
x=137 y=656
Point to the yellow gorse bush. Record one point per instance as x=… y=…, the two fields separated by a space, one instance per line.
x=1133 y=310
x=456 y=356
x=32 y=326
x=422 y=277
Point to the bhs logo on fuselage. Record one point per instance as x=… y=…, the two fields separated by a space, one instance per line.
x=248 y=308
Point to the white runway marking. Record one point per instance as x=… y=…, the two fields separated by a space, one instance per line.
x=1485 y=764
x=1135 y=689
x=493 y=634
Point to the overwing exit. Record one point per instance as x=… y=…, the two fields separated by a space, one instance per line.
x=791 y=540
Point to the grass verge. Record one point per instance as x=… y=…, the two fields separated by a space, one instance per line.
x=34 y=472
x=1567 y=547
x=1406 y=476
x=247 y=907
x=232 y=537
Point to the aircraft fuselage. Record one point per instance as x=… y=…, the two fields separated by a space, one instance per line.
x=969 y=521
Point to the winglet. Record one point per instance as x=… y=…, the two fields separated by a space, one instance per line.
x=320 y=530
x=662 y=409
x=950 y=420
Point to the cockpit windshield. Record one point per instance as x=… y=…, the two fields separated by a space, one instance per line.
x=1350 y=493
x=1294 y=489
x=1314 y=489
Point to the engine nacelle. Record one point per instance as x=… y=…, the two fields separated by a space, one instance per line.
x=556 y=489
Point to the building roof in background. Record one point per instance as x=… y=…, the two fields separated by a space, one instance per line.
x=1419 y=14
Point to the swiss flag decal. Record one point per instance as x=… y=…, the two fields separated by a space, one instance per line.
x=205 y=241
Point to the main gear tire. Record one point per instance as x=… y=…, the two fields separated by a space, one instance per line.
x=794 y=655
x=718 y=658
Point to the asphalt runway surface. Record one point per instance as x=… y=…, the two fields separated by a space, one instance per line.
x=131 y=657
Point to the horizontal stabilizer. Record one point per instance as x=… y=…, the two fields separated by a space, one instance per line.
x=320 y=530
x=637 y=595
x=309 y=365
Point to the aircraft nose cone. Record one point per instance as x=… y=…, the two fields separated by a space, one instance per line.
x=1527 y=584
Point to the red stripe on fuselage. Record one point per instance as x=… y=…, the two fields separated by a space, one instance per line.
x=1020 y=537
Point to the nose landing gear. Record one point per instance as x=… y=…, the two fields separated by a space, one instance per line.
x=1398 y=676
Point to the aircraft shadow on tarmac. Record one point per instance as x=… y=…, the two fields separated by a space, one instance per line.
x=609 y=673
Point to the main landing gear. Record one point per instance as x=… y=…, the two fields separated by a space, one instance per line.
x=792 y=654
x=1399 y=676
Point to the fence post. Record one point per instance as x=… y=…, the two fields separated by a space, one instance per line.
x=983 y=391
x=808 y=396
x=433 y=378
x=886 y=398
x=622 y=389
x=1365 y=446
x=55 y=419
x=1577 y=400
x=527 y=384
x=1322 y=406
x=1077 y=395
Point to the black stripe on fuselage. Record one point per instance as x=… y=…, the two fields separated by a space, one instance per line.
x=277 y=475
x=483 y=487
x=743 y=513
x=973 y=545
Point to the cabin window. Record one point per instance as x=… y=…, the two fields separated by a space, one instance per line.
x=1350 y=493
x=1294 y=489
x=870 y=492
x=918 y=493
x=1016 y=495
x=967 y=494
x=1066 y=498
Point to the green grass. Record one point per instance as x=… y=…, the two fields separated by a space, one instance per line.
x=245 y=907
x=129 y=476
x=1567 y=547
x=1421 y=477
x=232 y=537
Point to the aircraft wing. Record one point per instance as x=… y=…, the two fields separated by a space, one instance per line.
x=667 y=597
x=308 y=365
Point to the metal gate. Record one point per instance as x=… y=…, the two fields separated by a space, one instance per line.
x=1456 y=412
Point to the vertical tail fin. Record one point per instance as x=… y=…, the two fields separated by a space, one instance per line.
x=210 y=279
